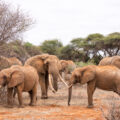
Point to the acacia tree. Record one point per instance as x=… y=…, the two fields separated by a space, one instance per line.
x=32 y=49
x=51 y=47
x=96 y=46
x=111 y=44
x=13 y=22
x=67 y=53
x=80 y=50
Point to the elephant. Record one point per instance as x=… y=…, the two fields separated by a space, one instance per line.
x=48 y=68
x=102 y=77
x=115 y=60
x=67 y=67
x=7 y=62
x=24 y=79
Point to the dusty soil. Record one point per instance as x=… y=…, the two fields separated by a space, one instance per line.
x=55 y=107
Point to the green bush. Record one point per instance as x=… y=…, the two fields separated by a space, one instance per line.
x=82 y=64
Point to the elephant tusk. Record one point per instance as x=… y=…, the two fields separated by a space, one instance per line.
x=50 y=82
x=70 y=86
x=63 y=81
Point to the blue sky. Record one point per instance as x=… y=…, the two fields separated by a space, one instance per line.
x=69 y=19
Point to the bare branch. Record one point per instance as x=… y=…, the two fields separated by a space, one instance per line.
x=12 y=23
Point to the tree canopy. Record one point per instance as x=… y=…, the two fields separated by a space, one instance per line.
x=51 y=46
x=13 y=22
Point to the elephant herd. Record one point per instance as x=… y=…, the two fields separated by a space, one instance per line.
x=47 y=70
x=44 y=69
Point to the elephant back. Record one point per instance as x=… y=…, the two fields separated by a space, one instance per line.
x=7 y=62
x=116 y=61
x=36 y=62
x=14 y=61
x=4 y=63
x=105 y=61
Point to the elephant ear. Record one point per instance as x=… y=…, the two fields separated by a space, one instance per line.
x=87 y=75
x=44 y=56
x=16 y=78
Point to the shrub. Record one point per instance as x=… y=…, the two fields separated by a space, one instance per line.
x=82 y=64
x=3 y=95
x=114 y=110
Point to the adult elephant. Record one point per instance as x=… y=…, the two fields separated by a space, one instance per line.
x=96 y=77
x=7 y=62
x=115 y=60
x=24 y=79
x=67 y=67
x=48 y=67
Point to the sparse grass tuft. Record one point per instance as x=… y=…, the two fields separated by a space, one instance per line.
x=82 y=64
x=113 y=110
x=3 y=95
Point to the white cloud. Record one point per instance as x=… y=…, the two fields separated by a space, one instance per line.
x=68 y=19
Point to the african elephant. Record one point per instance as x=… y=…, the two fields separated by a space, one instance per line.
x=67 y=67
x=103 y=77
x=115 y=60
x=7 y=62
x=48 y=67
x=23 y=78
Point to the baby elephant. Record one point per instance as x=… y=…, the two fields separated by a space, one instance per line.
x=24 y=79
x=103 y=77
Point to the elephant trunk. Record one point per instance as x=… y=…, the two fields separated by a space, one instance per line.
x=56 y=75
x=69 y=94
x=54 y=83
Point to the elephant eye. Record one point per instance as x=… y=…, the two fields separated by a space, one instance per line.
x=4 y=77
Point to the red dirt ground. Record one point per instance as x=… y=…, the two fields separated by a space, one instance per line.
x=55 y=108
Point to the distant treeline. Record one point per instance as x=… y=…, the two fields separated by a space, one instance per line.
x=92 y=48
x=14 y=22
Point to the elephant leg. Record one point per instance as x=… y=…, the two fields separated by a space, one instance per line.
x=19 y=92
x=14 y=93
x=34 y=96
x=46 y=83
x=10 y=96
x=30 y=94
x=90 y=90
x=43 y=86
x=118 y=90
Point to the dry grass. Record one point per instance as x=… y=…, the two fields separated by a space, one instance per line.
x=3 y=95
x=56 y=106
x=113 y=106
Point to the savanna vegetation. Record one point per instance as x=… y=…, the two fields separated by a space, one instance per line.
x=85 y=50
x=91 y=49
